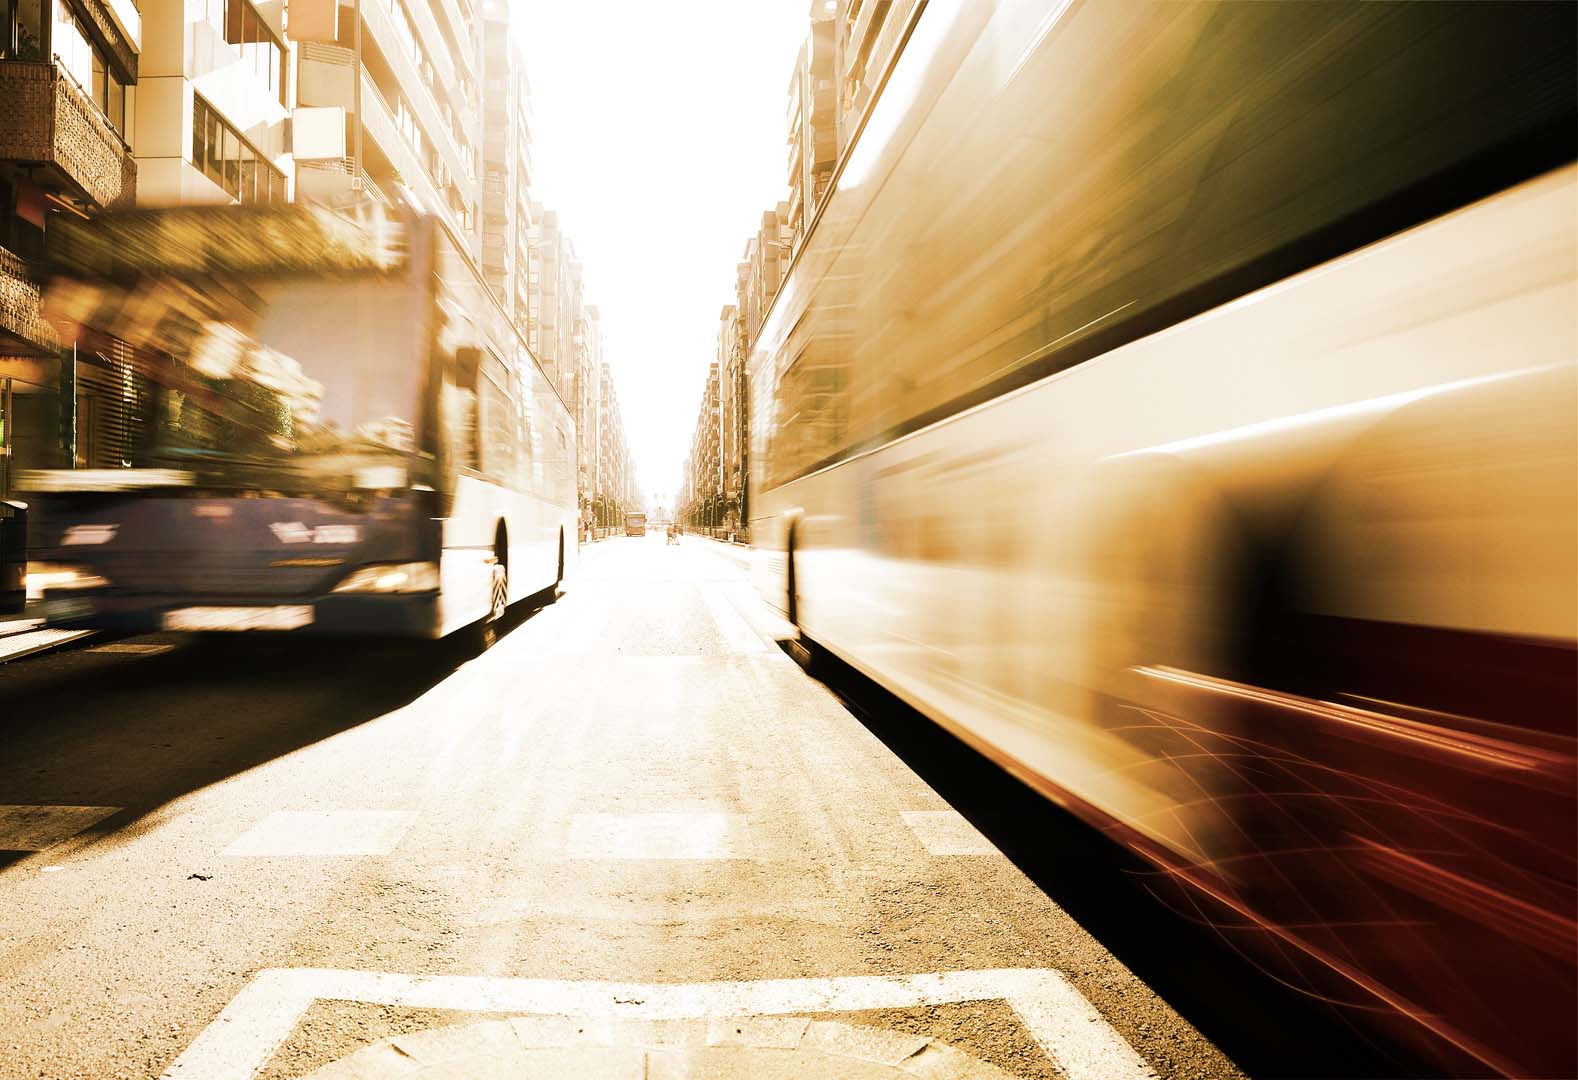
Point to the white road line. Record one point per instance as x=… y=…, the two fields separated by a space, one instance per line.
x=945 y=832
x=34 y=828
x=324 y=832
x=736 y=632
x=247 y=1032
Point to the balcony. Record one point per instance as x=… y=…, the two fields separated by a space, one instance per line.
x=21 y=319
x=330 y=181
x=380 y=126
x=326 y=76
x=496 y=204
x=46 y=121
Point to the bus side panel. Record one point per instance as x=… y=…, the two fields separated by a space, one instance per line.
x=1140 y=583
x=532 y=526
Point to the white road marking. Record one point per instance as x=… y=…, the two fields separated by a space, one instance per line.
x=324 y=832
x=243 y=1037
x=658 y=836
x=737 y=633
x=131 y=648
x=945 y=832
x=34 y=828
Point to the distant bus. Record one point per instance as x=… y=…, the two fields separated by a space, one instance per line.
x=334 y=429
x=635 y=524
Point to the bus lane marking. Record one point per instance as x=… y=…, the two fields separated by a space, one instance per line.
x=1067 y=1027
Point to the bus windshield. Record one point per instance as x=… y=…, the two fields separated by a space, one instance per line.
x=334 y=368
x=252 y=375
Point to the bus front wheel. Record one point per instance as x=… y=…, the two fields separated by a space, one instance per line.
x=487 y=631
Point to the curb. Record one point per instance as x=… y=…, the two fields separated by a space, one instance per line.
x=30 y=642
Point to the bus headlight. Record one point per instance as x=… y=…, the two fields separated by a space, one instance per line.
x=42 y=576
x=391 y=578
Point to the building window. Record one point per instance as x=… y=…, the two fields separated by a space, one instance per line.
x=21 y=30
x=86 y=63
x=229 y=160
x=260 y=50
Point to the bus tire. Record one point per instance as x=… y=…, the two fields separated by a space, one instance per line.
x=791 y=580
x=801 y=649
x=487 y=629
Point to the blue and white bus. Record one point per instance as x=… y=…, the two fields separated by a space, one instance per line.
x=326 y=425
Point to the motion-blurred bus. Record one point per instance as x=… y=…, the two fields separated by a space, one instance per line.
x=635 y=524
x=329 y=426
x=1177 y=402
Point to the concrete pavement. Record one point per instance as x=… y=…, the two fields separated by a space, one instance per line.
x=634 y=817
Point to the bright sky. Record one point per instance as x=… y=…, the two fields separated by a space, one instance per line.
x=660 y=138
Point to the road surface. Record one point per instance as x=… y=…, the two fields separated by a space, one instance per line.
x=632 y=839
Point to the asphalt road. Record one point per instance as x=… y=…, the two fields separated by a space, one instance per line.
x=635 y=826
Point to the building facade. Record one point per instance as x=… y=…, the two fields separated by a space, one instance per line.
x=867 y=36
x=506 y=165
x=704 y=481
x=813 y=116
x=69 y=71
x=555 y=298
x=849 y=48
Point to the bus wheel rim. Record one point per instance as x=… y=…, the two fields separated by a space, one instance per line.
x=499 y=598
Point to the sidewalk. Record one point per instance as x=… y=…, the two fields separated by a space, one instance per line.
x=23 y=636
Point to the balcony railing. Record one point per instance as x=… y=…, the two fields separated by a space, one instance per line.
x=20 y=313
x=45 y=120
x=330 y=180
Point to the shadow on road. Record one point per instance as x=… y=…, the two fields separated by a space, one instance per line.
x=83 y=728
x=1267 y=1027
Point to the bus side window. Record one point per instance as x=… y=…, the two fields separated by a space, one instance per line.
x=498 y=432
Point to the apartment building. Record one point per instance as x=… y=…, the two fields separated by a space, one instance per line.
x=586 y=401
x=69 y=71
x=705 y=504
x=213 y=103
x=813 y=122
x=406 y=120
x=616 y=490
x=506 y=165
x=849 y=48
x=733 y=417
x=868 y=35
x=554 y=299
